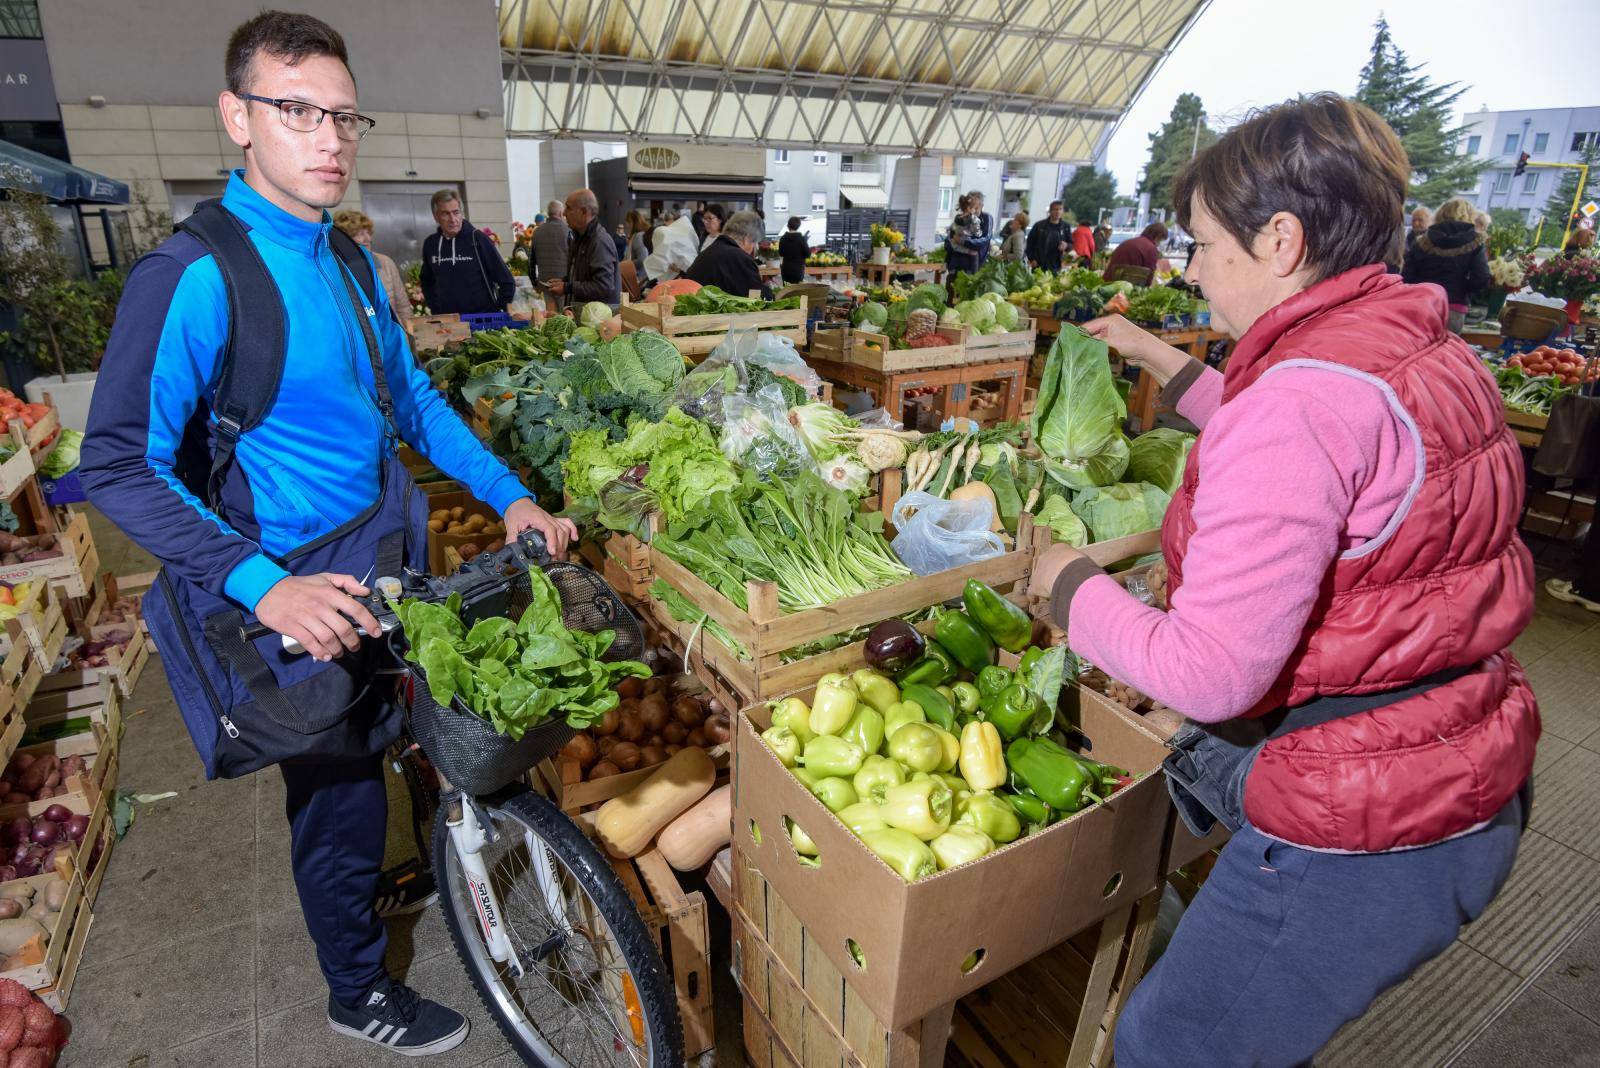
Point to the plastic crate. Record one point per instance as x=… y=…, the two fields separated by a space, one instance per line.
x=492 y=321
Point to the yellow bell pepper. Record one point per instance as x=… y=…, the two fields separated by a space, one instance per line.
x=983 y=758
x=834 y=705
x=950 y=751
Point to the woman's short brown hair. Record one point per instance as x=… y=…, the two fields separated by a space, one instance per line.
x=352 y=222
x=1330 y=162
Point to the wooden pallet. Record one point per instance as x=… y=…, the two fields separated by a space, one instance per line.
x=73 y=570
x=679 y=924
x=766 y=633
x=864 y=348
x=696 y=335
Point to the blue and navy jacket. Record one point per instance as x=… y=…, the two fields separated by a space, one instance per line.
x=313 y=463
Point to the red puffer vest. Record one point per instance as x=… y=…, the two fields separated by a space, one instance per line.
x=1447 y=584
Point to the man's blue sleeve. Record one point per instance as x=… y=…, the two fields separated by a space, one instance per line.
x=428 y=425
x=161 y=360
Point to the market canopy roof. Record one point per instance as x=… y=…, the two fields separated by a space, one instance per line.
x=1011 y=79
x=24 y=169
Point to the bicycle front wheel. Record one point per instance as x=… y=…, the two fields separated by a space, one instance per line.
x=593 y=988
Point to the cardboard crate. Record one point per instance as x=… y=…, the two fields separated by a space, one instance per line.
x=1057 y=1009
x=679 y=924
x=860 y=348
x=73 y=570
x=696 y=335
x=914 y=938
x=43 y=627
x=438 y=541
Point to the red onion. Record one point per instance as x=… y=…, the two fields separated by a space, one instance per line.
x=21 y=854
x=15 y=830
x=6 y=786
x=46 y=832
x=58 y=813
x=7 y=873
x=76 y=827
x=26 y=867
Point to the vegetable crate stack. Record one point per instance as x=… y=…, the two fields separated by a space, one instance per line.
x=1017 y=344
x=939 y=346
x=114 y=643
x=697 y=320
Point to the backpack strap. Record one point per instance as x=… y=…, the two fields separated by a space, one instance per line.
x=252 y=357
x=347 y=251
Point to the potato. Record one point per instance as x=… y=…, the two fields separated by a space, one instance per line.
x=436 y=525
x=457 y=513
x=495 y=546
x=55 y=894
x=10 y=908
x=474 y=522
x=469 y=550
x=454 y=528
x=14 y=934
x=41 y=912
x=17 y=892
x=440 y=514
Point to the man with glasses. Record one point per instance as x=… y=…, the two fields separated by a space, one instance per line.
x=314 y=470
x=462 y=271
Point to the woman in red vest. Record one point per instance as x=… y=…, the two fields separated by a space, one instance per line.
x=1346 y=580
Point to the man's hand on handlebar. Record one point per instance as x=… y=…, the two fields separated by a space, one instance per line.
x=318 y=612
x=525 y=515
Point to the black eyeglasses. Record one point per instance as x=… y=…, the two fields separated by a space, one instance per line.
x=305 y=118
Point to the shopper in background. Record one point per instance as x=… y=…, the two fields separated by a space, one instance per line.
x=1452 y=255
x=1581 y=240
x=1083 y=241
x=1014 y=238
x=359 y=227
x=793 y=251
x=1344 y=573
x=729 y=261
x=674 y=248
x=982 y=239
x=592 y=259
x=1421 y=219
x=1049 y=240
x=1102 y=238
x=1481 y=221
x=639 y=240
x=547 y=259
x=1142 y=251
x=966 y=235
x=711 y=220
x=462 y=271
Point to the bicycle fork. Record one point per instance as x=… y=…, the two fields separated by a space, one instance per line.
x=467 y=837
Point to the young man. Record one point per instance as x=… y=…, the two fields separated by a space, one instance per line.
x=313 y=469
x=461 y=269
x=1048 y=240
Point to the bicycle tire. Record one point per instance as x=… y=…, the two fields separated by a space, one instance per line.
x=596 y=879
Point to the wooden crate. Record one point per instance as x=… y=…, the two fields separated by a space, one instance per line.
x=73 y=570
x=1013 y=345
x=766 y=633
x=563 y=781
x=43 y=965
x=20 y=675
x=83 y=792
x=682 y=932
x=862 y=348
x=123 y=668
x=43 y=626
x=696 y=335
x=39 y=438
x=623 y=561
x=1059 y=1009
x=438 y=332
x=15 y=473
x=97 y=701
x=1527 y=427
x=13 y=726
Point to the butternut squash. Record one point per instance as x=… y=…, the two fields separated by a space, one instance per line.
x=691 y=840
x=626 y=825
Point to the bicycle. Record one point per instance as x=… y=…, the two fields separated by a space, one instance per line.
x=547 y=933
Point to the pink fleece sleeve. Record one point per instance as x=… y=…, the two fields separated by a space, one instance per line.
x=1302 y=466
x=1201 y=400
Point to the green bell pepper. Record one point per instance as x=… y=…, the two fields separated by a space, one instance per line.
x=950 y=754
x=934 y=668
x=861 y=817
x=908 y=855
x=827 y=756
x=808 y=779
x=796 y=715
x=991 y=815
x=784 y=743
x=865 y=728
x=876 y=690
x=1052 y=772
x=939 y=712
x=1029 y=659
x=917 y=746
x=877 y=774
x=835 y=794
x=1002 y=620
x=1030 y=809
x=958 y=786
x=967 y=698
x=965 y=640
x=901 y=714
x=921 y=807
x=1012 y=710
x=802 y=841
x=833 y=704
x=960 y=845
x=991 y=680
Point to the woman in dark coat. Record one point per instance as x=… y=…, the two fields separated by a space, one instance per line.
x=1453 y=256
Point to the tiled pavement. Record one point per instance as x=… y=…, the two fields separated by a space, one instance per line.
x=198 y=956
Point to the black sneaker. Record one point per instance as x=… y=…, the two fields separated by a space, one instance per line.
x=397 y=1017
x=406 y=888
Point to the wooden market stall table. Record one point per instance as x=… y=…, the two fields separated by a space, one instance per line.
x=842 y=270
x=881 y=274
x=1142 y=403
x=954 y=383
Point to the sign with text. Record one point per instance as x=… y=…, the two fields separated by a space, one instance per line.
x=26 y=92
x=665 y=159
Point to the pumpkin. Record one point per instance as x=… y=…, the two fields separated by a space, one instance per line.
x=667 y=293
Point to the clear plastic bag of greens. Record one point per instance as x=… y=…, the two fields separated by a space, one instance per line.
x=757 y=435
x=777 y=354
x=936 y=534
x=702 y=391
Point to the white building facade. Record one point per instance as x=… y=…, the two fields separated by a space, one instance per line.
x=1548 y=135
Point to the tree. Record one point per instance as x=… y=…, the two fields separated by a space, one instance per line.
x=1421 y=115
x=1172 y=147
x=1560 y=202
x=1086 y=192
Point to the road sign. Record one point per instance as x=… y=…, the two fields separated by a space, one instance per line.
x=1590 y=209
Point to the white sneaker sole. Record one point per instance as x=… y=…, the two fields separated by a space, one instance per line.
x=406 y=910
x=438 y=1045
x=1566 y=595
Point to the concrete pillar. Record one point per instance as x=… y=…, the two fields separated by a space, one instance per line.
x=562 y=168
x=916 y=187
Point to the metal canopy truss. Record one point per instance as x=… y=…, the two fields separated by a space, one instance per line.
x=1011 y=79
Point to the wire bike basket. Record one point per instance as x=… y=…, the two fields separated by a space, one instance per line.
x=465 y=748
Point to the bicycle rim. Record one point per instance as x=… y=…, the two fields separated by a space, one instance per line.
x=601 y=998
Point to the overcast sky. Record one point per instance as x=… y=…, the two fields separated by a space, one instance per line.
x=1247 y=53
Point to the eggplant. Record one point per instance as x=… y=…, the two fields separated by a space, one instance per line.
x=893 y=645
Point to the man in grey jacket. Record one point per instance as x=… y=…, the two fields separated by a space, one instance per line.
x=592 y=257
x=548 y=257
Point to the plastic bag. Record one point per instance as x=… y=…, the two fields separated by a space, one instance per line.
x=879 y=419
x=777 y=354
x=936 y=534
x=702 y=391
x=757 y=435
x=674 y=248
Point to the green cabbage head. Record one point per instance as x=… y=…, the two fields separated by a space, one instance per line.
x=1158 y=457
x=1119 y=510
x=1079 y=412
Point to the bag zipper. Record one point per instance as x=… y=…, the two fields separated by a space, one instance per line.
x=194 y=659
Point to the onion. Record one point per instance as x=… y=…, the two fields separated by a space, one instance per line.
x=7 y=873
x=674 y=733
x=630 y=689
x=697 y=738
x=651 y=755
x=625 y=756
x=27 y=867
x=714 y=706
x=687 y=711
x=77 y=826
x=58 y=813
x=717 y=730
x=655 y=686
x=46 y=832
x=22 y=760
x=581 y=749
x=671 y=748
x=15 y=829
x=653 y=711
x=21 y=854
x=608 y=723
x=6 y=786
x=632 y=728
x=603 y=770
